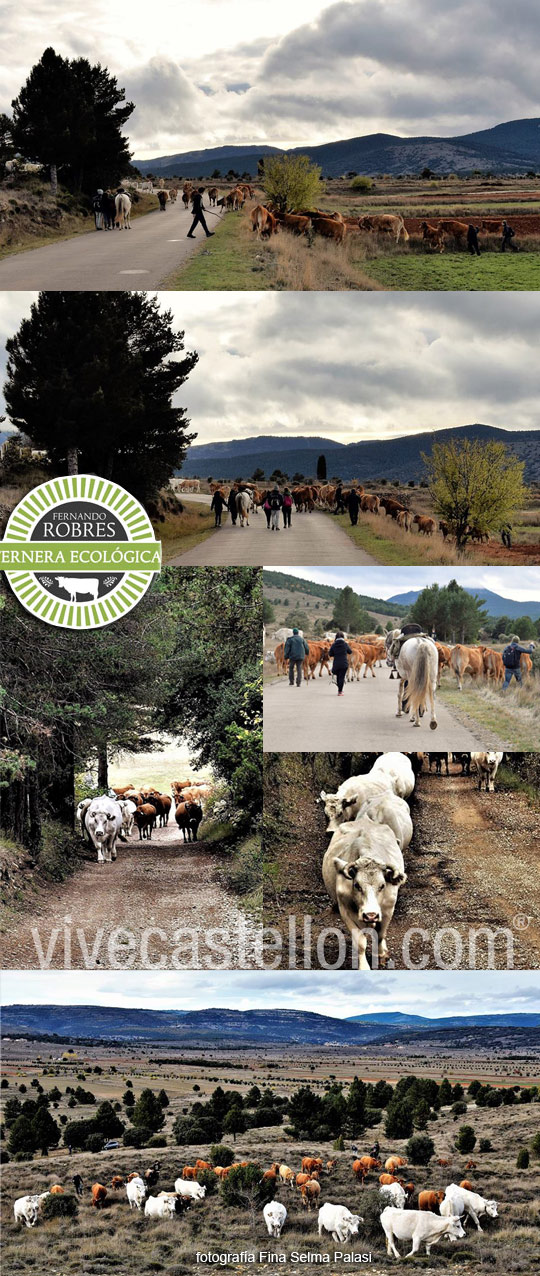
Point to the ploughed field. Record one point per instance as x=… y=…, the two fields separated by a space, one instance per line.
x=115 y=1238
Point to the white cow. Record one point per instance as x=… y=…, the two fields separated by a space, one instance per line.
x=274 y=1216
x=75 y=587
x=419 y=1227
x=363 y=870
x=393 y=1194
x=128 y=809
x=80 y=814
x=103 y=821
x=244 y=503
x=351 y=795
x=393 y=811
x=185 y=1188
x=122 y=204
x=26 y=1209
x=398 y=767
x=459 y=1200
x=338 y=1220
x=487 y=765
x=162 y=1206
x=136 y=1192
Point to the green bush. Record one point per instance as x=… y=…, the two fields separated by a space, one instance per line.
x=522 y=1160
x=94 y=1143
x=137 y=1138
x=59 y=1206
x=221 y=1155
x=466 y=1139
x=535 y=1145
x=485 y=1145
x=361 y=184
x=420 y=1149
x=338 y=1144
x=207 y=1179
x=158 y=1141
x=245 y=1188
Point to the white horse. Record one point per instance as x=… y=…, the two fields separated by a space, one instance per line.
x=244 y=505
x=417 y=665
x=123 y=211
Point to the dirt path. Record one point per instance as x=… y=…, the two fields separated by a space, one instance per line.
x=163 y=883
x=473 y=863
x=312 y=717
x=108 y=261
x=313 y=540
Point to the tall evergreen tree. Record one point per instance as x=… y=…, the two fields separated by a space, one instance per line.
x=321 y=468
x=147 y=1111
x=69 y=115
x=91 y=380
x=349 y=614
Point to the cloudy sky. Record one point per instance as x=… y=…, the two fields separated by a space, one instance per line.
x=349 y=366
x=340 y=994
x=205 y=72
x=386 y=582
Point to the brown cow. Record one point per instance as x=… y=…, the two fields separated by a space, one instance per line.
x=310 y=1194
x=385 y=224
x=404 y=520
x=466 y=660
x=328 y=228
x=213 y=193
x=387 y=1179
x=145 y=818
x=56 y=1190
x=125 y=788
x=458 y=230
x=117 y=1182
x=426 y=526
x=471 y=1165
x=444 y=659
x=433 y=235
x=189 y=1173
x=491 y=226
x=430 y=1201
x=311 y=1164
x=99 y=1194
x=263 y=222
x=444 y=1161
x=525 y=664
x=493 y=664
x=369 y=503
x=466 y=1183
x=279 y=656
x=395 y=1163
x=293 y=221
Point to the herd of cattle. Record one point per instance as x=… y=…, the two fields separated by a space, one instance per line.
x=109 y=818
x=308 y=497
x=439 y=1214
x=370 y=824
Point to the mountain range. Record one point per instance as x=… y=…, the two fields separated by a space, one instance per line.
x=512 y=147
x=368 y=459
x=495 y=604
x=239 y=1027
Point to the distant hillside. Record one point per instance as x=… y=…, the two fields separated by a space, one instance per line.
x=295 y=584
x=495 y=603
x=232 y=1027
x=513 y=147
x=388 y=459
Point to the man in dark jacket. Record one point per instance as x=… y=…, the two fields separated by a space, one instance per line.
x=198 y=210
x=354 y=506
x=506 y=535
x=472 y=240
x=218 y=501
x=507 y=238
x=511 y=659
x=340 y=503
x=232 y=506
x=296 y=649
x=340 y=651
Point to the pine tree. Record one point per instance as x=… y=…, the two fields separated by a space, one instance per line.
x=148 y=1112
x=46 y=1131
x=356 y=1107
x=91 y=380
x=321 y=469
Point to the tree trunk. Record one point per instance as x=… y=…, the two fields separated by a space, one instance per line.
x=54 y=180
x=103 y=767
x=72 y=458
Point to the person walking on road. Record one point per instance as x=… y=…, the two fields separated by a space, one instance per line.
x=287 y=508
x=354 y=506
x=340 y=503
x=511 y=659
x=97 y=208
x=296 y=649
x=507 y=237
x=232 y=506
x=267 y=509
x=218 y=502
x=198 y=211
x=472 y=240
x=340 y=651
x=276 y=504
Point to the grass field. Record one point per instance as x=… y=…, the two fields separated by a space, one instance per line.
x=492 y=272
x=230 y=262
x=117 y=1239
x=181 y=532
x=514 y=715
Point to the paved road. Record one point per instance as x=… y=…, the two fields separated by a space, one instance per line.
x=313 y=540
x=107 y=261
x=312 y=717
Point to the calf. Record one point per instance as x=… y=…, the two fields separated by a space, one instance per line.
x=487 y=765
x=274 y=1214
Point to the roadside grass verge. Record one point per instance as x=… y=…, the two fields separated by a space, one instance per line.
x=241 y=870
x=514 y=717
x=492 y=272
x=390 y=545
x=234 y=260
x=181 y=532
x=61 y=853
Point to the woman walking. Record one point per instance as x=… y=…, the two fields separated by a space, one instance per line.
x=287 y=508
x=340 y=650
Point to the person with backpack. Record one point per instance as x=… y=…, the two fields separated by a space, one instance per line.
x=511 y=659
x=276 y=504
x=97 y=208
x=507 y=236
x=472 y=240
x=287 y=508
x=232 y=506
x=340 y=651
x=267 y=509
x=295 y=651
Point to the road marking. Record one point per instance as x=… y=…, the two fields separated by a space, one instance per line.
x=134 y=272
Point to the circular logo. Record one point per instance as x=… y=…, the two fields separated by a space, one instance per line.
x=79 y=552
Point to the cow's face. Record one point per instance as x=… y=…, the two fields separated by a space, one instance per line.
x=103 y=822
x=491 y=1209
x=455 y=1230
x=352 y=1225
x=366 y=886
x=332 y=810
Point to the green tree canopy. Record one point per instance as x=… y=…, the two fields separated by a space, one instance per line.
x=91 y=380
x=474 y=484
x=291 y=182
x=148 y=1111
x=349 y=614
x=454 y=614
x=69 y=115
